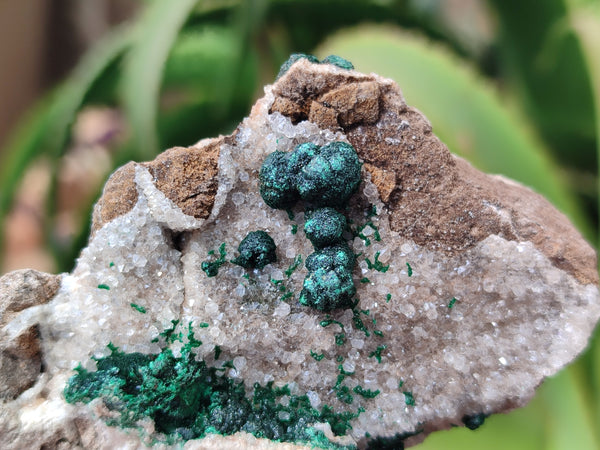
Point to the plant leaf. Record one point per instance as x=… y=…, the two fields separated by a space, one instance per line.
x=465 y=111
x=156 y=31
x=47 y=130
x=586 y=22
x=544 y=62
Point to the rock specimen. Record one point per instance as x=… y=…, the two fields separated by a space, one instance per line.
x=467 y=290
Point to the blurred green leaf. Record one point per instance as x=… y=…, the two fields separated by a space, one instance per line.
x=522 y=429
x=586 y=22
x=200 y=57
x=465 y=111
x=543 y=60
x=568 y=420
x=155 y=33
x=48 y=128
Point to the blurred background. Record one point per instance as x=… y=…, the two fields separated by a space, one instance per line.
x=513 y=86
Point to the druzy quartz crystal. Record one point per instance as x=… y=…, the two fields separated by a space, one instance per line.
x=449 y=296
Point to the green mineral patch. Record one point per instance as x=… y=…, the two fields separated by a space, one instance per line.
x=286 y=296
x=187 y=399
x=211 y=268
x=338 y=61
x=335 y=60
x=409 y=269
x=451 y=303
x=324 y=227
x=138 y=308
x=292 y=267
x=256 y=250
x=316 y=356
x=366 y=393
x=377 y=265
x=104 y=286
x=324 y=178
x=409 y=399
x=329 y=284
x=367 y=241
x=377 y=353
x=358 y=323
x=292 y=59
x=329 y=321
x=343 y=392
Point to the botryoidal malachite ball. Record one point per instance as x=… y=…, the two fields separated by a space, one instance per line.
x=324 y=227
x=331 y=177
x=329 y=284
x=257 y=250
x=322 y=176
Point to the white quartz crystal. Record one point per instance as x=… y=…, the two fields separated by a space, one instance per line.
x=516 y=317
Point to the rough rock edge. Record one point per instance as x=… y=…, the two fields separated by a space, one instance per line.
x=421 y=183
x=429 y=187
x=21 y=355
x=120 y=193
x=187 y=177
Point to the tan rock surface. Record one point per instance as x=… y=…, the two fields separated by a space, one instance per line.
x=490 y=288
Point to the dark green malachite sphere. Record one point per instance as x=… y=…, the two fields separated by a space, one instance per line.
x=329 y=284
x=292 y=59
x=324 y=227
x=331 y=177
x=322 y=176
x=257 y=250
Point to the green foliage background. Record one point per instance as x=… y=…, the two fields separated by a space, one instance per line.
x=527 y=106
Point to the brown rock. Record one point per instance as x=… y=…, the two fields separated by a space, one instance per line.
x=188 y=176
x=442 y=203
x=385 y=181
x=21 y=357
x=499 y=341
x=118 y=197
x=20 y=363
x=22 y=289
x=354 y=104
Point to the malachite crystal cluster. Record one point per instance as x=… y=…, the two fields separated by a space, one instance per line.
x=325 y=178
x=187 y=399
x=331 y=59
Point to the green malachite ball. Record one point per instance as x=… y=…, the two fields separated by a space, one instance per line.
x=322 y=176
x=277 y=187
x=331 y=177
x=338 y=61
x=257 y=250
x=324 y=227
x=292 y=59
x=325 y=178
x=329 y=284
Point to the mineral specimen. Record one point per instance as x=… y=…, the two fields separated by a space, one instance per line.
x=257 y=250
x=462 y=291
x=324 y=226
